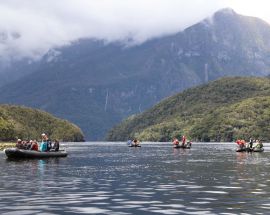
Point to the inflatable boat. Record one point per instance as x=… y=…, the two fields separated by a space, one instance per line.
x=21 y=153
x=180 y=146
x=258 y=149
x=242 y=150
x=134 y=146
x=249 y=150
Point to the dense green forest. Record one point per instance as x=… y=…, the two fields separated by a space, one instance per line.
x=27 y=123
x=222 y=110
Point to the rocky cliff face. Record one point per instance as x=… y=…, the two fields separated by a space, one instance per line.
x=96 y=85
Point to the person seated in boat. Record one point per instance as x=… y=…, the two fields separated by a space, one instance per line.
x=258 y=145
x=49 y=145
x=34 y=145
x=135 y=142
x=55 y=146
x=26 y=144
x=184 y=140
x=175 y=141
x=44 y=143
x=241 y=143
x=19 y=144
x=129 y=142
x=189 y=143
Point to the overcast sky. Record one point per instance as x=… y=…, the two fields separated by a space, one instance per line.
x=31 y=27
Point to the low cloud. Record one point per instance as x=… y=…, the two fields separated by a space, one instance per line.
x=29 y=28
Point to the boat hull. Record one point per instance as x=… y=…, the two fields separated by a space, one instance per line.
x=181 y=147
x=258 y=150
x=250 y=150
x=15 y=153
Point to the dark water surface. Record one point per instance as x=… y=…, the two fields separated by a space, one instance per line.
x=111 y=178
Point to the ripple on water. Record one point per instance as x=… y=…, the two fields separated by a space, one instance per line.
x=22 y=212
x=89 y=210
x=200 y=202
x=119 y=181
x=170 y=205
x=214 y=192
x=227 y=187
x=209 y=199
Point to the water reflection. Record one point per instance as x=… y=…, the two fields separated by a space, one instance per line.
x=155 y=179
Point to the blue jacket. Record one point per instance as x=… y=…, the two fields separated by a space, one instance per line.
x=43 y=146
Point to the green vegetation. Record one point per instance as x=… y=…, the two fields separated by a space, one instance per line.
x=26 y=123
x=223 y=110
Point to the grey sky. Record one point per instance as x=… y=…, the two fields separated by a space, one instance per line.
x=29 y=28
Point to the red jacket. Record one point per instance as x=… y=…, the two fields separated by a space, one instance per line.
x=34 y=147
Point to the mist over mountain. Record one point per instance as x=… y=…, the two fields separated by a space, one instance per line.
x=96 y=84
x=29 y=28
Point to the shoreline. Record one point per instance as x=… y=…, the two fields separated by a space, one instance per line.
x=4 y=145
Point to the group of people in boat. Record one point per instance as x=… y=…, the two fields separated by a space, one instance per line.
x=134 y=142
x=249 y=146
x=184 y=143
x=45 y=145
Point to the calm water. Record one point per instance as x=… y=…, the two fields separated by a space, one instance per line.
x=106 y=178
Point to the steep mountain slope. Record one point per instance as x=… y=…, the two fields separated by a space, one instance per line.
x=222 y=110
x=96 y=85
x=26 y=123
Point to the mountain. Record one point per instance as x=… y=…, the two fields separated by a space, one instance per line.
x=13 y=70
x=26 y=123
x=96 y=85
x=223 y=110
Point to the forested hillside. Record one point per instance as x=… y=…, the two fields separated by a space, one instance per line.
x=222 y=110
x=26 y=123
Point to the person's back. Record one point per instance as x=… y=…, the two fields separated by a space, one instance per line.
x=34 y=146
